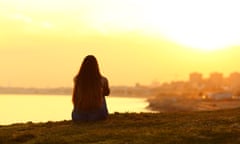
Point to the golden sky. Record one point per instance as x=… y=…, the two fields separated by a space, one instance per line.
x=43 y=42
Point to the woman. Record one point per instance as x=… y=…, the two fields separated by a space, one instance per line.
x=90 y=89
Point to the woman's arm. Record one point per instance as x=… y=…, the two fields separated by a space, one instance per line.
x=106 y=90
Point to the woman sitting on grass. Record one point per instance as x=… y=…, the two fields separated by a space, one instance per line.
x=90 y=89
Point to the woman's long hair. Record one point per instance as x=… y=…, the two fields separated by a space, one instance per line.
x=87 y=93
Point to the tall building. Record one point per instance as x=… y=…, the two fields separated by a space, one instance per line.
x=216 y=80
x=195 y=77
x=234 y=81
x=196 y=80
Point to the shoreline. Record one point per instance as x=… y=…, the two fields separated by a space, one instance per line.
x=188 y=105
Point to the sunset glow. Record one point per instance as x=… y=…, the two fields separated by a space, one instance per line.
x=43 y=42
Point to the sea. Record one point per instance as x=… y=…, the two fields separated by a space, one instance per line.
x=23 y=108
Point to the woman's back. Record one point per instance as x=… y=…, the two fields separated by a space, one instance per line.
x=89 y=91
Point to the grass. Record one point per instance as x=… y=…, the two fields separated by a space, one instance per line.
x=205 y=127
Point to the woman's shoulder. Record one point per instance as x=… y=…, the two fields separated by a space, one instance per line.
x=104 y=79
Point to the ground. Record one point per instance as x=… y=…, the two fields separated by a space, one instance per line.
x=220 y=126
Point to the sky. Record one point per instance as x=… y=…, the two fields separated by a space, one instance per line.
x=43 y=43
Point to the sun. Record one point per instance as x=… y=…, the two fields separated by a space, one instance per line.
x=188 y=25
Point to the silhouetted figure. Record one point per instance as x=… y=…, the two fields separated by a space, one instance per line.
x=90 y=89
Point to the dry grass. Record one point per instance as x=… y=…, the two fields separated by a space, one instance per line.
x=221 y=127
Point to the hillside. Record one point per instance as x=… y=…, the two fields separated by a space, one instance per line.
x=221 y=127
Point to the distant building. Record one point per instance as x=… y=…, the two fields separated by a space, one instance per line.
x=234 y=81
x=195 y=77
x=219 y=96
x=216 y=80
x=196 y=80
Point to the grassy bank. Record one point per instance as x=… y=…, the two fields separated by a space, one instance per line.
x=221 y=127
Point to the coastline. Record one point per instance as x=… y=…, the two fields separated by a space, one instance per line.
x=188 y=105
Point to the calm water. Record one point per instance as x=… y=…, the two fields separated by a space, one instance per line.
x=42 y=108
